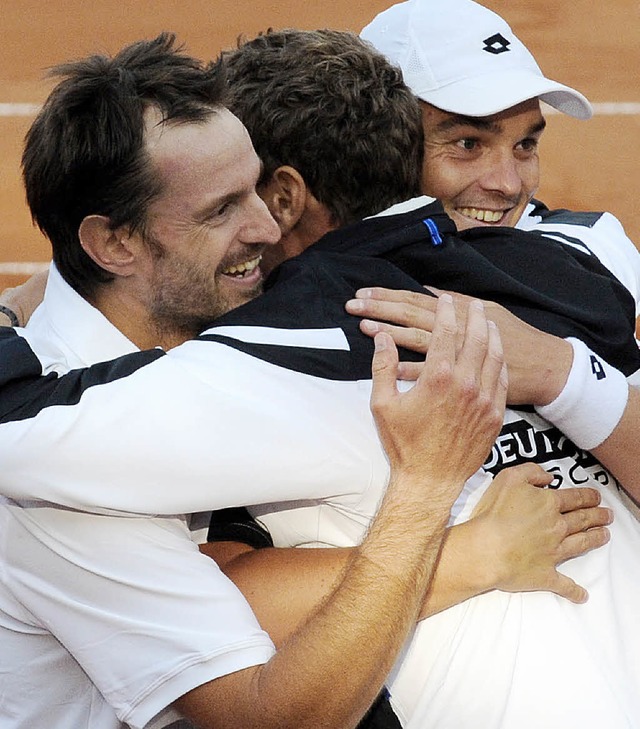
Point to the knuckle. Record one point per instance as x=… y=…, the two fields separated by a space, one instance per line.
x=496 y=357
x=420 y=339
x=471 y=393
x=443 y=375
x=448 y=329
x=478 y=338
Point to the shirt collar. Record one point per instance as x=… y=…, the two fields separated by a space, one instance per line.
x=83 y=330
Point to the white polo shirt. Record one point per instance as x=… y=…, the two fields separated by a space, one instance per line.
x=106 y=620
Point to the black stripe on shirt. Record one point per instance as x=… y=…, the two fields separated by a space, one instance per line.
x=27 y=392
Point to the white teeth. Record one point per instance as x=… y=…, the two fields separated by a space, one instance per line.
x=242 y=268
x=486 y=216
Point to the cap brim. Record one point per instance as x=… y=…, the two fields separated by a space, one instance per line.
x=480 y=96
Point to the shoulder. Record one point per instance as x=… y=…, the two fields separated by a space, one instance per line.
x=598 y=233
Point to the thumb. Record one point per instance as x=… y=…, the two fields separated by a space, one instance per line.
x=537 y=476
x=567 y=588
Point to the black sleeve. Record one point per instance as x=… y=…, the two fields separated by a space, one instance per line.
x=237 y=525
x=380 y=715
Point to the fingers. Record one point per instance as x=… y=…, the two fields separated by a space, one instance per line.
x=482 y=352
x=476 y=336
x=494 y=372
x=384 y=367
x=574 y=546
x=441 y=356
x=417 y=340
x=565 y=587
x=577 y=498
x=403 y=308
x=535 y=475
x=402 y=296
x=409 y=371
x=406 y=315
x=582 y=542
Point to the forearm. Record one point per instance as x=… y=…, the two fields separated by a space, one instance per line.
x=334 y=664
x=5 y=320
x=459 y=575
x=22 y=300
x=618 y=453
x=285 y=585
x=377 y=605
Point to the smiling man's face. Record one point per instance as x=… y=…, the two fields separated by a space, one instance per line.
x=207 y=228
x=485 y=170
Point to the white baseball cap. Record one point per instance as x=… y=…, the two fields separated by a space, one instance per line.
x=463 y=58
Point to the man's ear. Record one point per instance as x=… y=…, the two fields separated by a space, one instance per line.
x=285 y=194
x=111 y=249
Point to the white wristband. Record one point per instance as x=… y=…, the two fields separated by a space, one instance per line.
x=592 y=401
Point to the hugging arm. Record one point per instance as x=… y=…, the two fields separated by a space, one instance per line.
x=539 y=366
x=19 y=302
x=517 y=536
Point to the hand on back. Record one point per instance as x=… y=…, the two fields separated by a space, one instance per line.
x=441 y=429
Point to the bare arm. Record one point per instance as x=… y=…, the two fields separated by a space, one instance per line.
x=539 y=365
x=619 y=452
x=359 y=629
x=516 y=538
x=22 y=300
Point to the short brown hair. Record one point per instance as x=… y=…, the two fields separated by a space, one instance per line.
x=328 y=104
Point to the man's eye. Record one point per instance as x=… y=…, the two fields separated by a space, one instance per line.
x=468 y=143
x=529 y=145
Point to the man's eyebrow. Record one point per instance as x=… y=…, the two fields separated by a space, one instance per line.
x=483 y=124
x=539 y=127
x=459 y=120
x=230 y=197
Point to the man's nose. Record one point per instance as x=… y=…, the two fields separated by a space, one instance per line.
x=262 y=228
x=502 y=175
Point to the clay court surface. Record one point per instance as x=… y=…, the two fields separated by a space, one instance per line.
x=593 y=46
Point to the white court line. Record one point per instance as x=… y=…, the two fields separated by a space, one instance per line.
x=19 y=109
x=22 y=268
x=616 y=108
x=601 y=108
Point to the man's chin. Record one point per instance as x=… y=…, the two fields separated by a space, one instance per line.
x=239 y=298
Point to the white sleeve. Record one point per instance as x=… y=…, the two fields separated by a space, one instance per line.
x=142 y=612
x=202 y=427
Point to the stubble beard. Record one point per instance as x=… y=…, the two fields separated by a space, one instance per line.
x=186 y=300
